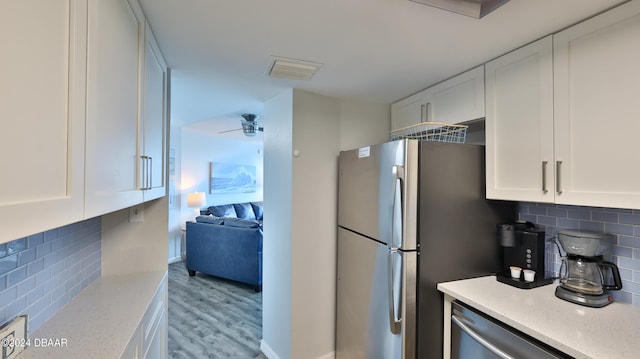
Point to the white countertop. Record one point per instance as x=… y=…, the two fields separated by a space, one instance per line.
x=99 y=322
x=582 y=332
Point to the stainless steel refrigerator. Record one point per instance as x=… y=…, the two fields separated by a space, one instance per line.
x=410 y=214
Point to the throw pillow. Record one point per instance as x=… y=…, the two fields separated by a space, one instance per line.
x=257 y=210
x=210 y=219
x=244 y=210
x=239 y=222
x=225 y=210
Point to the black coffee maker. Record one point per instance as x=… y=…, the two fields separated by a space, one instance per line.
x=523 y=246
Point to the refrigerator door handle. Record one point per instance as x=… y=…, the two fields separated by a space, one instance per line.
x=398 y=184
x=394 y=325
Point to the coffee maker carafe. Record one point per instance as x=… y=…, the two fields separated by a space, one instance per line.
x=582 y=274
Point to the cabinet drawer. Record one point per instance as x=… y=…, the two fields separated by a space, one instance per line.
x=154 y=315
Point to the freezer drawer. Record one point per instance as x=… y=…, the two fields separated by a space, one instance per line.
x=476 y=336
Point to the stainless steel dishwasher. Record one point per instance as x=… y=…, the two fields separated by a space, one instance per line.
x=477 y=336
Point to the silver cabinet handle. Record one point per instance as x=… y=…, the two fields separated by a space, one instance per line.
x=146 y=167
x=143 y=172
x=558 y=188
x=150 y=173
x=428 y=114
x=482 y=341
x=544 y=176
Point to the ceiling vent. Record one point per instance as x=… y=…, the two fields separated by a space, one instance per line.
x=292 y=69
x=473 y=8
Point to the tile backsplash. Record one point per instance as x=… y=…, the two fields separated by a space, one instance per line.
x=41 y=273
x=624 y=224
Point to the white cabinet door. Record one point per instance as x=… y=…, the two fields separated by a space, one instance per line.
x=519 y=124
x=115 y=30
x=132 y=351
x=42 y=90
x=410 y=111
x=154 y=325
x=154 y=122
x=458 y=99
x=597 y=87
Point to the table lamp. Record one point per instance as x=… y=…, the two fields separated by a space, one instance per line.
x=196 y=200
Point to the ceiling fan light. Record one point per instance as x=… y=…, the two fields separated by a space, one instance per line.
x=249 y=128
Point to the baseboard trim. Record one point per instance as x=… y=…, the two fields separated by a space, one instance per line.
x=270 y=354
x=267 y=351
x=331 y=355
x=174 y=259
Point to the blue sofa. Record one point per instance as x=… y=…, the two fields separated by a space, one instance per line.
x=226 y=241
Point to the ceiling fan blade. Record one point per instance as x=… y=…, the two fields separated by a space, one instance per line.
x=237 y=129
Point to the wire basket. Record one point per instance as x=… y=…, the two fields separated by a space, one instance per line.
x=432 y=131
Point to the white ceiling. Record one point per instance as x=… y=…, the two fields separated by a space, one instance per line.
x=371 y=50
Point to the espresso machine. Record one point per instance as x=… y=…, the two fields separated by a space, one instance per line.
x=585 y=274
x=523 y=246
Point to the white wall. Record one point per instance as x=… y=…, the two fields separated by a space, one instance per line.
x=276 y=250
x=363 y=124
x=174 y=197
x=300 y=227
x=316 y=134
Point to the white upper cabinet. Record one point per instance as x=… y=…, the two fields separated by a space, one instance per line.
x=42 y=109
x=565 y=130
x=597 y=116
x=114 y=58
x=153 y=122
x=458 y=99
x=519 y=124
x=410 y=111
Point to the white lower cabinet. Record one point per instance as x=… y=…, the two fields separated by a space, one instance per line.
x=154 y=326
x=133 y=349
x=582 y=153
x=150 y=338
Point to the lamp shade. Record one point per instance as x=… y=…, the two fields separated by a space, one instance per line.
x=195 y=200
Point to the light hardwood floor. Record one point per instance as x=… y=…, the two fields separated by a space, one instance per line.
x=211 y=317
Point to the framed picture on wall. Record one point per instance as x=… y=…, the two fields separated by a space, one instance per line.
x=231 y=178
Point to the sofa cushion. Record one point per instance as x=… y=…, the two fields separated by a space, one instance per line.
x=225 y=210
x=210 y=219
x=257 y=210
x=239 y=222
x=244 y=210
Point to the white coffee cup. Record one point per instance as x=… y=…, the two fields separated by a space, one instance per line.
x=529 y=275
x=515 y=272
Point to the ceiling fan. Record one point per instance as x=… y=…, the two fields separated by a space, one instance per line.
x=250 y=125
